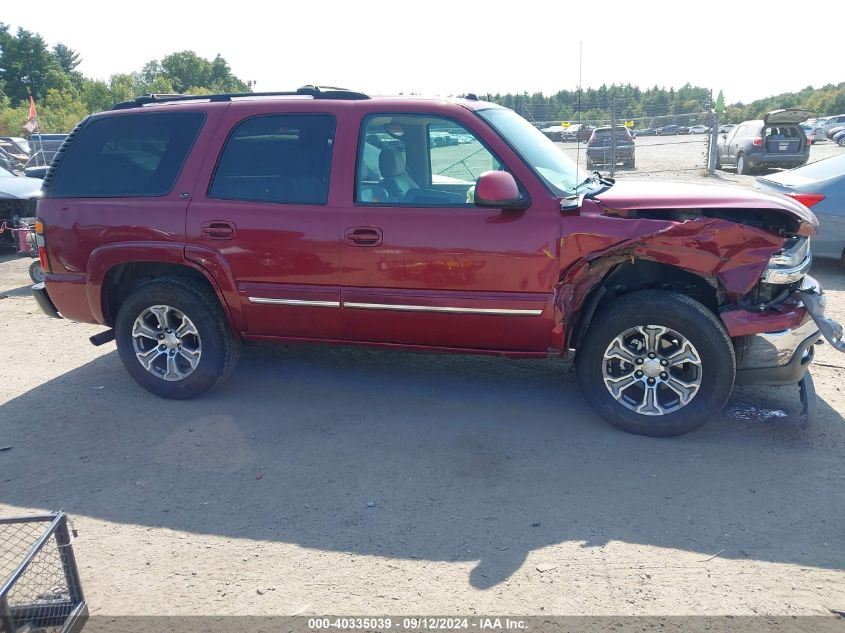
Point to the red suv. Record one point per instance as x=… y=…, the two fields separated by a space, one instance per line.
x=188 y=224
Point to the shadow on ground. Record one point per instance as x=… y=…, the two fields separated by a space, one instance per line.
x=441 y=458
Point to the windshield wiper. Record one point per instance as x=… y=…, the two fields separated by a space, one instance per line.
x=596 y=177
x=605 y=181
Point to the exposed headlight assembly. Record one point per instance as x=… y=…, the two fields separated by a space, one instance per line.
x=790 y=263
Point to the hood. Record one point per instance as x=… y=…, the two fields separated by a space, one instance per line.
x=673 y=196
x=20 y=187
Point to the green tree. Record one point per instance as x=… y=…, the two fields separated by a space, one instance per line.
x=67 y=57
x=27 y=65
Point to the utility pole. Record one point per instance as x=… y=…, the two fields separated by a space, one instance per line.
x=612 y=137
x=714 y=135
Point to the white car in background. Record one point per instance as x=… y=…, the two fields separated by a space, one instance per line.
x=698 y=129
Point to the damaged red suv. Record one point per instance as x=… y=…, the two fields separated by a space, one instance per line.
x=187 y=225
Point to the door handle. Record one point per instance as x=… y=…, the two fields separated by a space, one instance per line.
x=219 y=230
x=364 y=236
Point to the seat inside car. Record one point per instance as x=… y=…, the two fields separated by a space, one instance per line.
x=394 y=177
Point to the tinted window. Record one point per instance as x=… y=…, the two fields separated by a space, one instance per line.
x=283 y=158
x=126 y=155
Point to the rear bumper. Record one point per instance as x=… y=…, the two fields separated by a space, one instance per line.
x=44 y=302
x=604 y=154
x=776 y=160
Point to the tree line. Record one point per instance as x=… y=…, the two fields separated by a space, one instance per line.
x=64 y=96
x=631 y=102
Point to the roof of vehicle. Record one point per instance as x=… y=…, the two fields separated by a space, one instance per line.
x=309 y=93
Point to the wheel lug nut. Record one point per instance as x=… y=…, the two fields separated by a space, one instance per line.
x=639 y=361
x=664 y=362
x=639 y=374
x=651 y=381
x=162 y=348
x=650 y=354
x=160 y=336
x=663 y=375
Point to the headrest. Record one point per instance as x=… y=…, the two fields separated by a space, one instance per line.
x=391 y=163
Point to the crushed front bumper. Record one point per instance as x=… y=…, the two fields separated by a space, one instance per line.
x=783 y=357
x=777 y=358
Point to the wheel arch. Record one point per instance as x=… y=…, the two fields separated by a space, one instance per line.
x=641 y=274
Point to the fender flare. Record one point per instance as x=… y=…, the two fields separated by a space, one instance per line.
x=102 y=260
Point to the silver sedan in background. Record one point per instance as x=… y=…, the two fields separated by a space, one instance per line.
x=820 y=186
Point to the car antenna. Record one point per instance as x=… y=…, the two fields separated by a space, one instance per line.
x=578 y=133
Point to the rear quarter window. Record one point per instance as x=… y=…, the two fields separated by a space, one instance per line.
x=132 y=155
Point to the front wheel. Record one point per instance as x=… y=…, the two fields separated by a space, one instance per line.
x=656 y=363
x=36 y=273
x=174 y=339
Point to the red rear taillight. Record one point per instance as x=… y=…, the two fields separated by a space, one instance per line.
x=757 y=141
x=42 y=245
x=807 y=199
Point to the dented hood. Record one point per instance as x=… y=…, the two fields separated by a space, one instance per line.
x=656 y=195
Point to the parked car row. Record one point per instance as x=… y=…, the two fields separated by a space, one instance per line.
x=576 y=132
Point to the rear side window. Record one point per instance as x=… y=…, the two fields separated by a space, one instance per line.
x=126 y=156
x=281 y=158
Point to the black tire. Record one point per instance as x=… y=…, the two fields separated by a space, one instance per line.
x=36 y=273
x=220 y=347
x=742 y=165
x=688 y=318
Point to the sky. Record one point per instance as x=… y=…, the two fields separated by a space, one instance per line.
x=440 y=48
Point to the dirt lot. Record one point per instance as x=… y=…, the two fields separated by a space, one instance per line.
x=325 y=480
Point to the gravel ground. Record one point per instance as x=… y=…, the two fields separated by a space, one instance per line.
x=334 y=480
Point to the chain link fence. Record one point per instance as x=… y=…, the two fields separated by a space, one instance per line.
x=625 y=143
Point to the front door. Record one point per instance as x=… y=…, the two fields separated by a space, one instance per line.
x=422 y=265
x=266 y=215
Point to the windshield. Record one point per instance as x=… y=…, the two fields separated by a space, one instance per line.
x=556 y=169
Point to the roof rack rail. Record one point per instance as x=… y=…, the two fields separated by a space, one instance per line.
x=316 y=92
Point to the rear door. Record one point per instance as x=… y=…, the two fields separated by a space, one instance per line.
x=263 y=210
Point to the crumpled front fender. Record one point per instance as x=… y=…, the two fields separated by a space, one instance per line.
x=729 y=256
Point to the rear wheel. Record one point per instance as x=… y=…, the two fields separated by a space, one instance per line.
x=174 y=339
x=742 y=164
x=656 y=363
